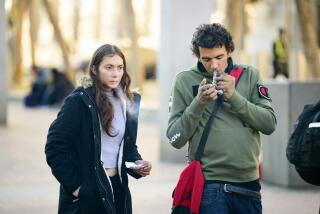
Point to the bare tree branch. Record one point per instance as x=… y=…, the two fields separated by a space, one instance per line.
x=34 y=27
x=18 y=41
x=309 y=36
x=63 y=45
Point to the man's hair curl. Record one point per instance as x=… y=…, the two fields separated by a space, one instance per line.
x=211 y=36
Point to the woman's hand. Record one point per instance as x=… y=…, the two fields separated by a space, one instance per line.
x=76 y=192
x=145 y=169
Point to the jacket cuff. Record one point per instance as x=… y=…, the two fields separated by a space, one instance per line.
x=72 y=187
x=133 y=173
x=236 y=101
x=194 y=108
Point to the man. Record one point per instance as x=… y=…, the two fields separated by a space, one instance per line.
x=231 y=154
x=280 y=55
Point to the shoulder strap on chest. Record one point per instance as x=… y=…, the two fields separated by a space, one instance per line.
x=236 y=73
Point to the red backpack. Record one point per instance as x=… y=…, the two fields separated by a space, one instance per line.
x=188 y=192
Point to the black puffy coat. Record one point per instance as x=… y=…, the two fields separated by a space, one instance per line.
x=73 y=152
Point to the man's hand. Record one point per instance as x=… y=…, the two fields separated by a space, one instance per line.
x=76 y=192
x=206 y=92
x=227 y=84
x=145 y=169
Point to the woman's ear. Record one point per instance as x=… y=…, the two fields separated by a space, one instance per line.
x=94 y=70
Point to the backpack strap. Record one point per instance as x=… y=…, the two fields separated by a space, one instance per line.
x=236 y=73
x=206 y=131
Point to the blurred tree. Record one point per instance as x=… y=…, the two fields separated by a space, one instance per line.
x=234 y=17
x=58 y=35
x=20 y=7
x=309 y=36
x=76 y=22
x=11 y=35
x=236 y=21
x=15 y=26
x=144 y=25
x=3 y=67
x=34 y=27
x=252 y=1
x=133 y=52
x=148 y=17
x=318 y=20
x=97 y=26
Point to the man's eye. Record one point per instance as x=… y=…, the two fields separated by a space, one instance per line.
x=206 y=60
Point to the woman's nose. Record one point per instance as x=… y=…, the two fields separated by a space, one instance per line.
x=115 y=72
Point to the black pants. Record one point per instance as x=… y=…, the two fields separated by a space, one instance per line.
x=280 y=68
x=118 y=194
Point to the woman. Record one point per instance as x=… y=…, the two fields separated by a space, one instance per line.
x=93 y=136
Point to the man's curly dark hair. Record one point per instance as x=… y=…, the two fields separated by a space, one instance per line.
x=211 y=36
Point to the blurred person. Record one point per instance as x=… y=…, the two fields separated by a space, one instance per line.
x=38 y=88
x=93 y=136
x=280 y=55
x=230 y=160
x=58 y=89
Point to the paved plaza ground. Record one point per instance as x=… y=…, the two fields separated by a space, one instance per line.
x=27 y=186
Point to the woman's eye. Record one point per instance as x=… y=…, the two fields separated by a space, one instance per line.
x=109 y=67
x=120 y=67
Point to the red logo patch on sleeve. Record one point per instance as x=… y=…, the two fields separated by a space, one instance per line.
x=263 y=92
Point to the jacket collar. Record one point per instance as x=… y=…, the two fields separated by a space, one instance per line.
x=199 y=68
x=90 y=92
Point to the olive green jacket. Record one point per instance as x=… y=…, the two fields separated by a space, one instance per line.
x=233 y=146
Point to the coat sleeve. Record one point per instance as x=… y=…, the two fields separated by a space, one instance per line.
x=184 y=117
x=131 y=152
x=60 y=137
x=257 y=112
x=132 y=156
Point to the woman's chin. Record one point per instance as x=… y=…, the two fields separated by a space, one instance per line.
x=110 y=87
x=113 y=86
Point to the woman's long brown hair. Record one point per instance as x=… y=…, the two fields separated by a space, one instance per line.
x=105 y=108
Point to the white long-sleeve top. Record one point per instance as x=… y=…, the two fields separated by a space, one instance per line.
x=110 y=145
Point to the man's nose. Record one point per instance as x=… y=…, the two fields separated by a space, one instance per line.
x=214 y=65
